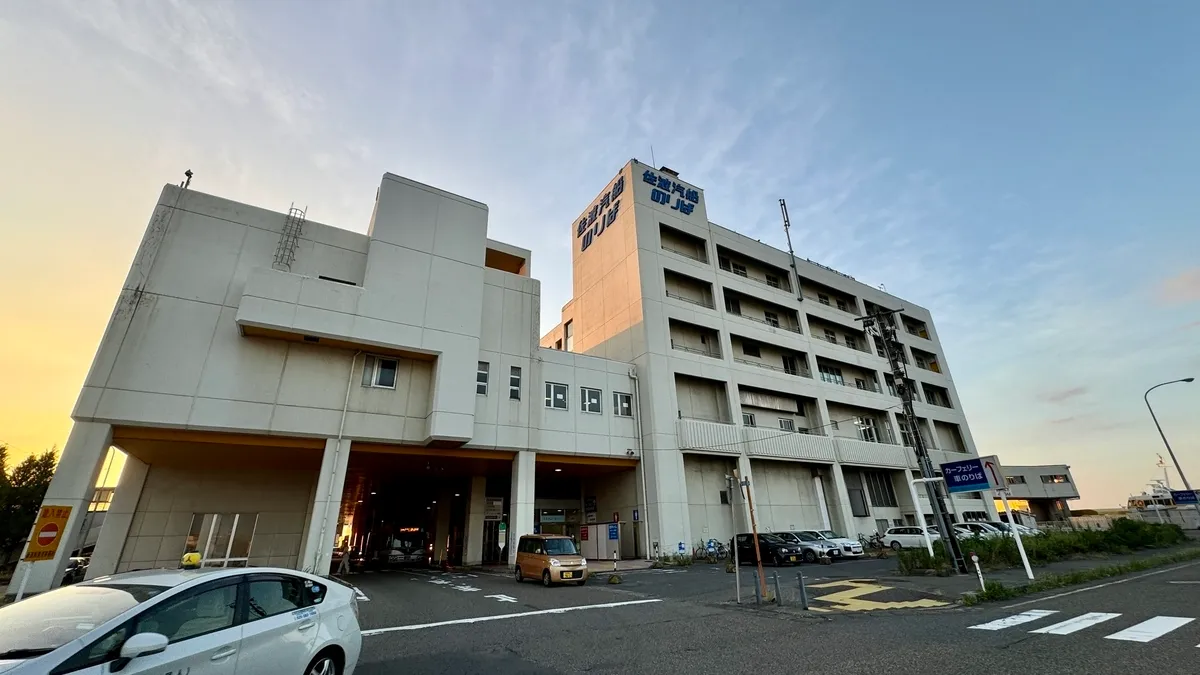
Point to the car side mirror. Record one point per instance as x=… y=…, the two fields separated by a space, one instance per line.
x=142 y=644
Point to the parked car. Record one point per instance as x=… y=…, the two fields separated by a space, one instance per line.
x=551 y=558
x=774 y=549
x=844 y=546
x=1025 y=530
x=812 y=547
x=76 y=569
x=909 y=536
x=214 y=620
x=977 y=529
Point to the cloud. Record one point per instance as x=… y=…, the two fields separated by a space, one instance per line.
x=1180 y=289
x=1063 y=395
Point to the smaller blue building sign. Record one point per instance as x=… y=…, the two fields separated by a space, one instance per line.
x=972 y=475
x=665 y=190
x=602 y=214
x=613 y=534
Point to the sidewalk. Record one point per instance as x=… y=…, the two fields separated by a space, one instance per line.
x=952 y=588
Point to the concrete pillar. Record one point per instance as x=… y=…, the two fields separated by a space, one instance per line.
x=819 y=487
x=317 y=547
x=73 y=485
x=825 y=423
x=841 y=502
x=441 y=533
x=744 y=472
x=115 y=530
x=520 y=500
x=475 y=508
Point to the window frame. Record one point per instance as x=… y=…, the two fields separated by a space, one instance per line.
x=748 y=420
x=787 y=424
x=619 y=410
x=585 y=401
x=551 y=401
x=305 y=599
x=372 y=362
x=482 y=369
x=514 y=383
x=751 y=349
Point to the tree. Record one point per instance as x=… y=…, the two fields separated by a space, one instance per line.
x=21 y=493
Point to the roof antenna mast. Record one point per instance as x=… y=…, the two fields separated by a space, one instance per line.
x=787 y=227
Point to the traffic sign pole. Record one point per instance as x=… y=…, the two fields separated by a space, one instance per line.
x=1012 y=525
x=912 y=490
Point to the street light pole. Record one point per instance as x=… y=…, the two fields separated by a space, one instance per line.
x=1146 y=398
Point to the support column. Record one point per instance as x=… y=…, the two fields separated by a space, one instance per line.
x=317 y=550
x=73 y=485
x=841 y=498
x=115 y=530
x=744 y=472
x=441 y=541
x=520 y=500
x=819 y=486
x=475 y=524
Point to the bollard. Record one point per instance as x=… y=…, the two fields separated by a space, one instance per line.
x=778 y=595
x=757 y=591
x=803 y=592
x=614 y=562
x=978 y=572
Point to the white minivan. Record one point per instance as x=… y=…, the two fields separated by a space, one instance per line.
x=909 y=536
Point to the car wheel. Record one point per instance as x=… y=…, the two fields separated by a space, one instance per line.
x=546 y=578
x=896 y=546
x=810 y=556
x=518 y=576
x=323 y=664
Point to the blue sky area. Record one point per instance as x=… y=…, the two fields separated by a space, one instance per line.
x=1025 y=170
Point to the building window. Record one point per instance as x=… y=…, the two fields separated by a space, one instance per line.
x=221 y=539
x=858 y=503
x=879 y=485
x=589 y=400
x=556 y=396
x=724 y=496
x=906 y=434
x=733 y=306
x=1055 y=479
x=787 y=424
x=514 y=383
x=558 y=344
x=569 y=334
x=772 y=281
x=739 y=269
x=851 y=342
x=748 y=419
x=771 y=318
x=831 y=374
x=622 y=404
x=481 y=378
x=841 y=304
x=380 y=372
x=723 y=262
x=751 y=349
x=1015 y=480
x=790 y=365
x=866 y=430
x=833 y=424
x=830 y=336
x=823 y=299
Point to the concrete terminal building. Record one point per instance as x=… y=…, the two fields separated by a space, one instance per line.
x=283 y=388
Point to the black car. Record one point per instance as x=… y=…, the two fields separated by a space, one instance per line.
x=774 y=550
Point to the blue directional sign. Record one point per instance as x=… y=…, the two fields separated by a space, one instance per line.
x=973 y=475
x=1185 y=497
x=613 y=534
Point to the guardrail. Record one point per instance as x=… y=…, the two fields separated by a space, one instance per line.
x=800 y=372
x=701 y=303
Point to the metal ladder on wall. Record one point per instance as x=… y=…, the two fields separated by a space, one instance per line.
x=293 y=225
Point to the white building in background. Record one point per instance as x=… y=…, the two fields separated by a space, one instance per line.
x=282 y=387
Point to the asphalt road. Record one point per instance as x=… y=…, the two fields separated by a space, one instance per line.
x=660 y=622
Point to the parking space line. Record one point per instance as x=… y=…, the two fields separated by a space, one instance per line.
x=498 y=617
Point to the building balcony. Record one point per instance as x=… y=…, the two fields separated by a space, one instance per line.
x=858 y=345
x=842 y=306
x=859 y=384
x=691 y=255
x=709 y=436
x=694 y=301
x=695 y=350
x=712 y=437
x=863 y=453
x=799 y=371
x=768 y=322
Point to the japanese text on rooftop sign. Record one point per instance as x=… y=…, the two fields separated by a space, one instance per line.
x=665 y=189
x=602 y=214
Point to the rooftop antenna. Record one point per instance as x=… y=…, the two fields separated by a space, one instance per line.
x=787 y=227
x=652 y=162
x=187 y=182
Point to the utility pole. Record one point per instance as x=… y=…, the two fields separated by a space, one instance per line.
x=762 y=578
x=882 y=326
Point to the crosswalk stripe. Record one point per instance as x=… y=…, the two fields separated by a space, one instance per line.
x=1076 y=624
x=1016 y=619
x=1150 y=629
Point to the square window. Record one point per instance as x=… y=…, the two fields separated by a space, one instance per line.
x=724 y=496
x=739 y=270
x=622 y=404
x=772 y=281
x=481 y=378
x=841 y=304
x=771 y=318
x=589 y=400
x=831 y=336
x=514 y=383
x=556 y=396
x=748 y=419
x=787 y=424
x=380 y=372
x=823 y=299
x=751 y=349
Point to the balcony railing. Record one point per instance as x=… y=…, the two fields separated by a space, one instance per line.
x=832 y=305
x=687 y=254
x=919 y=332
x=798 y=372
x=773 y=324
x=695 y=350
x=701 y=303
x=931 y=366
x=941 y=404
x=781 y=283
x=857 y=346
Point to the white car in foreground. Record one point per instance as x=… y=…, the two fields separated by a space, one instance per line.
x=844 y=547
x=248 y=621
x=909 y=536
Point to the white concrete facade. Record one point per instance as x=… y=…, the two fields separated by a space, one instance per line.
x=247 y=348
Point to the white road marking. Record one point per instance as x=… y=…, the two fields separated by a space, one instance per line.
x=1183 y=582
x=362 y=597
x=441 y=582
x=1015 y=619
x=465 y=588
x=1150 y=629
x=498 y=617
x=502 y=598
x=1077 y=624
x=1109 y=583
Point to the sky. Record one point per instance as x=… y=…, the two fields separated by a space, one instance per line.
x=1024 y=170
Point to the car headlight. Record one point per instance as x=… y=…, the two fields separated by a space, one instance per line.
x=554 y=562
x=583 y=562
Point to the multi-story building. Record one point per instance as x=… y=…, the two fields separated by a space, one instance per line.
x=1042 y=491
x=283 y=389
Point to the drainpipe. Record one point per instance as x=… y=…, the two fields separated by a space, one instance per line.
x=637 y=420
x=336 y=452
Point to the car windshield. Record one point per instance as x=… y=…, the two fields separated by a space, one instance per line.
x=830 y=534
x=52 y=619
x=560 y=547
x=770 y=538
x=804 y=536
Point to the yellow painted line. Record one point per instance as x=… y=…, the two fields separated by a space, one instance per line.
x=852 y=599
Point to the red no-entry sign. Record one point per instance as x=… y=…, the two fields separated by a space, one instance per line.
x=47 y=534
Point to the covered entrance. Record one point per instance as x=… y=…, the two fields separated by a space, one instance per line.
x=575 y=492
x=405 y=506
